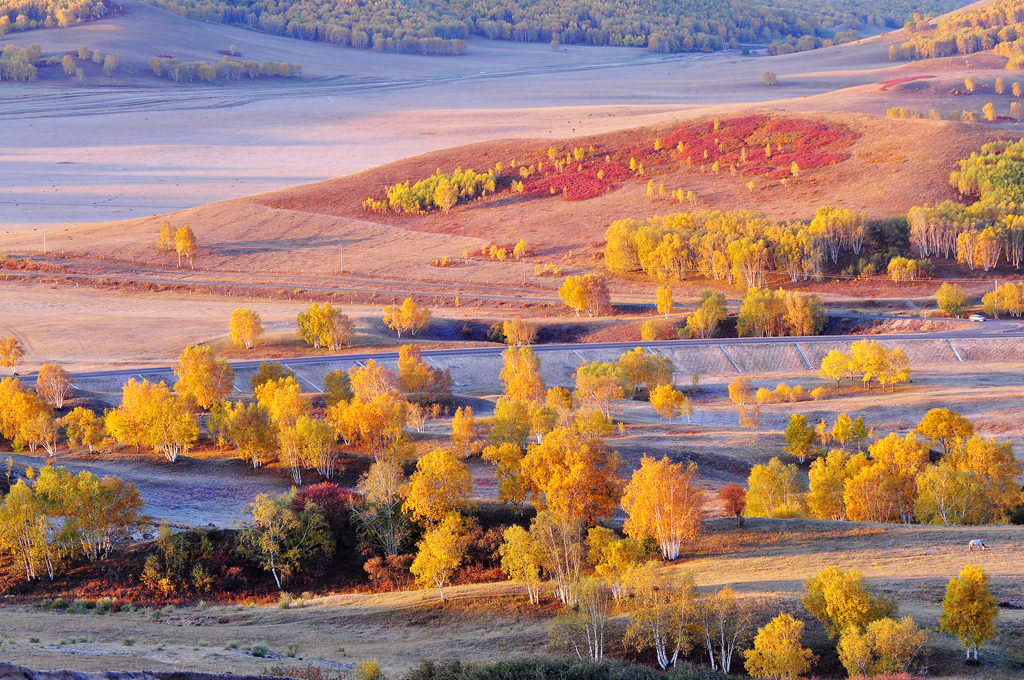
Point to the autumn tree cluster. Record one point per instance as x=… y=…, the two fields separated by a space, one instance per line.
x=868 y=361
x=441 y=191
x=973 y=481
x=51 y=518
x=739 y=247
x=227 y=68
x=677 y=26
x=181 y=241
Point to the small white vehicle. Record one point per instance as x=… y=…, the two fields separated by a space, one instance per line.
x=976 y=317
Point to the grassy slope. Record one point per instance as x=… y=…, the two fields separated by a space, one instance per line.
x=768 y=561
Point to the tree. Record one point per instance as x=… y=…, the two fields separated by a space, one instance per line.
x=876 y=363
x=562 y=550
x=380 y=511
x=842 y=599
x=324 y=326
x=574 y=477
x=27 y=532
x=521 y=560
x=283 y=400
x=723 y=624
x=828 y=476
x=463 y=431
x=613 y=559
x=583 y=627
x=663 y=300
x=989 y=112
x=800 y=438
x=408 y=317
x=513 y=485
x=520 y=372
x=773 y=490
x=762 y=314
x=943 y=428
x=663 y=501
x=734 y=500
x=969 y=609
x=645 y=369
x=662 y=613
x=251 y=432
x=11 y=353
x=587 y=293
x=337 y=387
x=518 y=332
x=185 y=244
x=440 y=485
x=315 y=439
x=201 y=377
x=598 y=384
x=952 y=299
x=53 y=384
x=885 y=647
x=83 y=427
x=129 y=422
x=282 y=539
x=268 y=371
x=996 y=468
x=946 y=495
x=165 y=240
x=740 y=391
x=886 y=491
x=245 y=327
x=670 y=403
x=770 y=79
x=98 y=513
x=836 y=365
x=445 y=195
x=708 y=315
x=440 y=552
x=777 y=653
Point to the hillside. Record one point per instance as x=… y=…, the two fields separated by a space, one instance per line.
x=883 y=167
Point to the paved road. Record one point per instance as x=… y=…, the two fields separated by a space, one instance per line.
x=989 y=329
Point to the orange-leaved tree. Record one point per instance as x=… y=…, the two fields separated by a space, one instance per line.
x=662 y=501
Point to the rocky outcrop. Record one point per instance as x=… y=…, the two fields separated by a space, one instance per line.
x=12 y=672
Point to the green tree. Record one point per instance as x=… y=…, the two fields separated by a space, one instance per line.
x=952 y=299
x=282 y=539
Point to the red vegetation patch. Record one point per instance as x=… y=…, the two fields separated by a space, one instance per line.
x=886 y=84
x=756 y=145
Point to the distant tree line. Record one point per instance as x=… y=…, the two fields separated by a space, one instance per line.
x=433 y=27
x=998 y=25
x=226 y=69
x=24 y=15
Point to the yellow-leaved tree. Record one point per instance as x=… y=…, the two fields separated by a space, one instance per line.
x=842 y=599
x=663 y=299
x=662 y=501
x=969 y=609
x=774 y=490
x=574 y=477
x=53 y=384
x=662 y=613
x=11 y=353
x=202 y=377
x=521 y=560
x=777 y=653
x=408 y=317
x=520 y=372
x=440 y=553
x=671 y=403
x=245 y=327
x=513 y=485
x=440 y=485
x=884 y=647
x=587 y=293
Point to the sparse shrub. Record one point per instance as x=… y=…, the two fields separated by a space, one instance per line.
x=103 y=605
x=293 y=650
x=203 y=643
x=46 y=604
x=34 y=640
x=369 y=670
x=819 y=393
x=60 y=604
x=128 y=641
x=160 y=646
x=259 y=650
x=231 y=645
x=285 y=601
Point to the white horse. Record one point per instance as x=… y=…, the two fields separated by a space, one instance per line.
x=976 y=544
